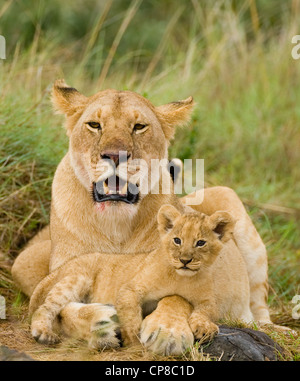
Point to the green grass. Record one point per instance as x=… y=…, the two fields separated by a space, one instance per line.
x=234 y=57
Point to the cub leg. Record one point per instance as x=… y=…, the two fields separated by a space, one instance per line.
x=129 y=310
x=71 y=288
x=201 y=325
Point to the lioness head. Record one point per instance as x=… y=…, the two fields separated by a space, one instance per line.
x=110 y=133
x=193 y=240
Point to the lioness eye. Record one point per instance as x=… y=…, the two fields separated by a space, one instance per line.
x=139 y=128
x=200 y=243
x=177 y=241
x=94 y=125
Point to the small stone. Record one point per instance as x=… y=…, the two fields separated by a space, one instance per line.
x=242 y=344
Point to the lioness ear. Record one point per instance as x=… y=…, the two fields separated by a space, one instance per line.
x=223 y=224
x=174 y=114
x=67 y=100
x=166 y=216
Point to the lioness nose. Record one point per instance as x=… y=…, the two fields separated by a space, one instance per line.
x=185 y=261
x=116 y=157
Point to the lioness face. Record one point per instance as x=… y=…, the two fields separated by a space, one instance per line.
x=114 y=135
x=193 y=240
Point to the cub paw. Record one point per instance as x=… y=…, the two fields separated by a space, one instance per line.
x=166 y=336
x=105 y=333
x=203 y=330
x=44 y=336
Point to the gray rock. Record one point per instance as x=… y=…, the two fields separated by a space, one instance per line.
x=243 y=344
x=7 y=354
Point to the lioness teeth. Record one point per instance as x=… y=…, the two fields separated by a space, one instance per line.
x=105 y=188
x=124 y=189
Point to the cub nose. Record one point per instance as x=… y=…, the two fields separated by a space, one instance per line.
x=117 y=157
x=185 y=261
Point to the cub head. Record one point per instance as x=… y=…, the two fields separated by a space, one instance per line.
x=112 y=135
x=193 y=240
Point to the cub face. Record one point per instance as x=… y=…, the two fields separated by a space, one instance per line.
x=193 y=240
x=112 y=132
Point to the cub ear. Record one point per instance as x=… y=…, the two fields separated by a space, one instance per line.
x=174 y=114
x=166 y=216
x=223 y=224
x=66 y=99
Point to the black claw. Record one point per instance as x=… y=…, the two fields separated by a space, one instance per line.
x=102 y=322
x=36 y=338
x=152 y=334
x=170 y=347
x=150 y=337
x=114 y=318
x=119 y=336
x=47 y=342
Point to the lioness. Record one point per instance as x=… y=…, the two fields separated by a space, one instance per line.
x=196 y=259
x=83 y=221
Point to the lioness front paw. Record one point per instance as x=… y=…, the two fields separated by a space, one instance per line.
x=281 y=328
x=203 y=330
x=166 y=335
x=105 y=332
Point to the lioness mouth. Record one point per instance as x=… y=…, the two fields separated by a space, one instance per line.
x=115 y=189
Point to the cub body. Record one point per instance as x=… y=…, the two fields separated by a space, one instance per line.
x=197 y=260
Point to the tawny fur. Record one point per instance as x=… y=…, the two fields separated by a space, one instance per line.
x=215 y=281
x=79 y=226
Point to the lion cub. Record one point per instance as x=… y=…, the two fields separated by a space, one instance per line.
x=197 y=260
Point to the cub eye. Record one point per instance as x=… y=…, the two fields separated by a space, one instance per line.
x=200 y=243
x=94 y=125
x=177 y=241
x=139 y=128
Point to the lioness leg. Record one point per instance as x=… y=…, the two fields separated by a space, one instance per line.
x=95 y=322
x=71 y=288
x=31 y=266
x=248 y=242
x=166 y=330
